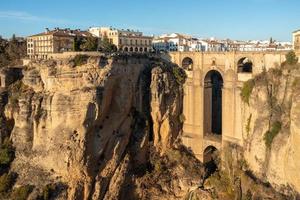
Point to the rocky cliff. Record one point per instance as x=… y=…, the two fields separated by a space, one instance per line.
x=272 y=127
x=86 y=124
x=109 y=128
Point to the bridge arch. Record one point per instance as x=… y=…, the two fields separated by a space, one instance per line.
x=187 y=64
x=213 y=84
x=244 y=65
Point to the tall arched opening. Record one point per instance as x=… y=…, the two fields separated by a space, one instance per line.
x=213 y=84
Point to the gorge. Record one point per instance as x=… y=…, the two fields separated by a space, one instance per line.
x=118 y=127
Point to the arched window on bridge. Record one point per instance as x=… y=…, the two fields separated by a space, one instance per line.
x=213 y=84
x=131 y=49
x=244 y=65
x=126 y=49
x=187 y=64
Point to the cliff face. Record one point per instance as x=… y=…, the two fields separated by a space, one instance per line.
x=89 y=126
x=271 y=121
x=109 y=128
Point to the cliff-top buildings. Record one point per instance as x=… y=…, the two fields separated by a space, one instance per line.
x=181 y=42
x=125 y=40
x=39 y=46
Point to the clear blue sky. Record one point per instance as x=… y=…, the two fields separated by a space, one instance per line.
x=235 y=19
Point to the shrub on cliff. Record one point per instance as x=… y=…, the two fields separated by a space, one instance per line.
x=21 y=193
x=6 y=154
x=291 y=58
x=272 y=133
x=6 y=182
x=80 y=60
x=90 y=44
x=247 y=90
x=12 y=51
x=179 y=74
x=106 y=46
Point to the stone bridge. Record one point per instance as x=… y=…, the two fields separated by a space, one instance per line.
x=212 y=105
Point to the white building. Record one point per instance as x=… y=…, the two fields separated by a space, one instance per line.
x=171 y=42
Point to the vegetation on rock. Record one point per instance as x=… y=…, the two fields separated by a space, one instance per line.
x=6 y=182
x=12 y=51
x=179 y=74
x=21 y=193
x=106 y=46
x=271 y=134
x=291 y=58
x=248 y=124
x=7 y=154
x=247 y=90
x=80 y=59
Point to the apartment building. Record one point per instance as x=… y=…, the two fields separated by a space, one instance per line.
x=296 y=40
x=125 y=40
x=39 y=46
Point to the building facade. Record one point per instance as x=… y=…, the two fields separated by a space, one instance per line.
x=125 y=40
x=39 y=46
x=296 y=40
x=172 y=42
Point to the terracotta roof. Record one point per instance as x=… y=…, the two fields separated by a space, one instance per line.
x=65 y=32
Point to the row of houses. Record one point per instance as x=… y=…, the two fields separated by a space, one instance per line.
x=180 y=42
x=58 y=40
x=41 y=45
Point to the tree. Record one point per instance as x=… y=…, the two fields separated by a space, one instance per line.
x=77 y=43
x=90 y=44
x=107 y=46
x=12 y=51
x=291 y=58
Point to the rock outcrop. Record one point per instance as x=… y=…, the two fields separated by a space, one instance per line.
x=89 y=126
x=271 y=121
x=109 y=128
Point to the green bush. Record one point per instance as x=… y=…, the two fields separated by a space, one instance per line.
x=80 y=60
x=291 y=58
x=248 y=124
x=247 y=90
x=180 y=75
x=6 y=183
x=272 y=133
x=6 y=153
x=21 y=193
